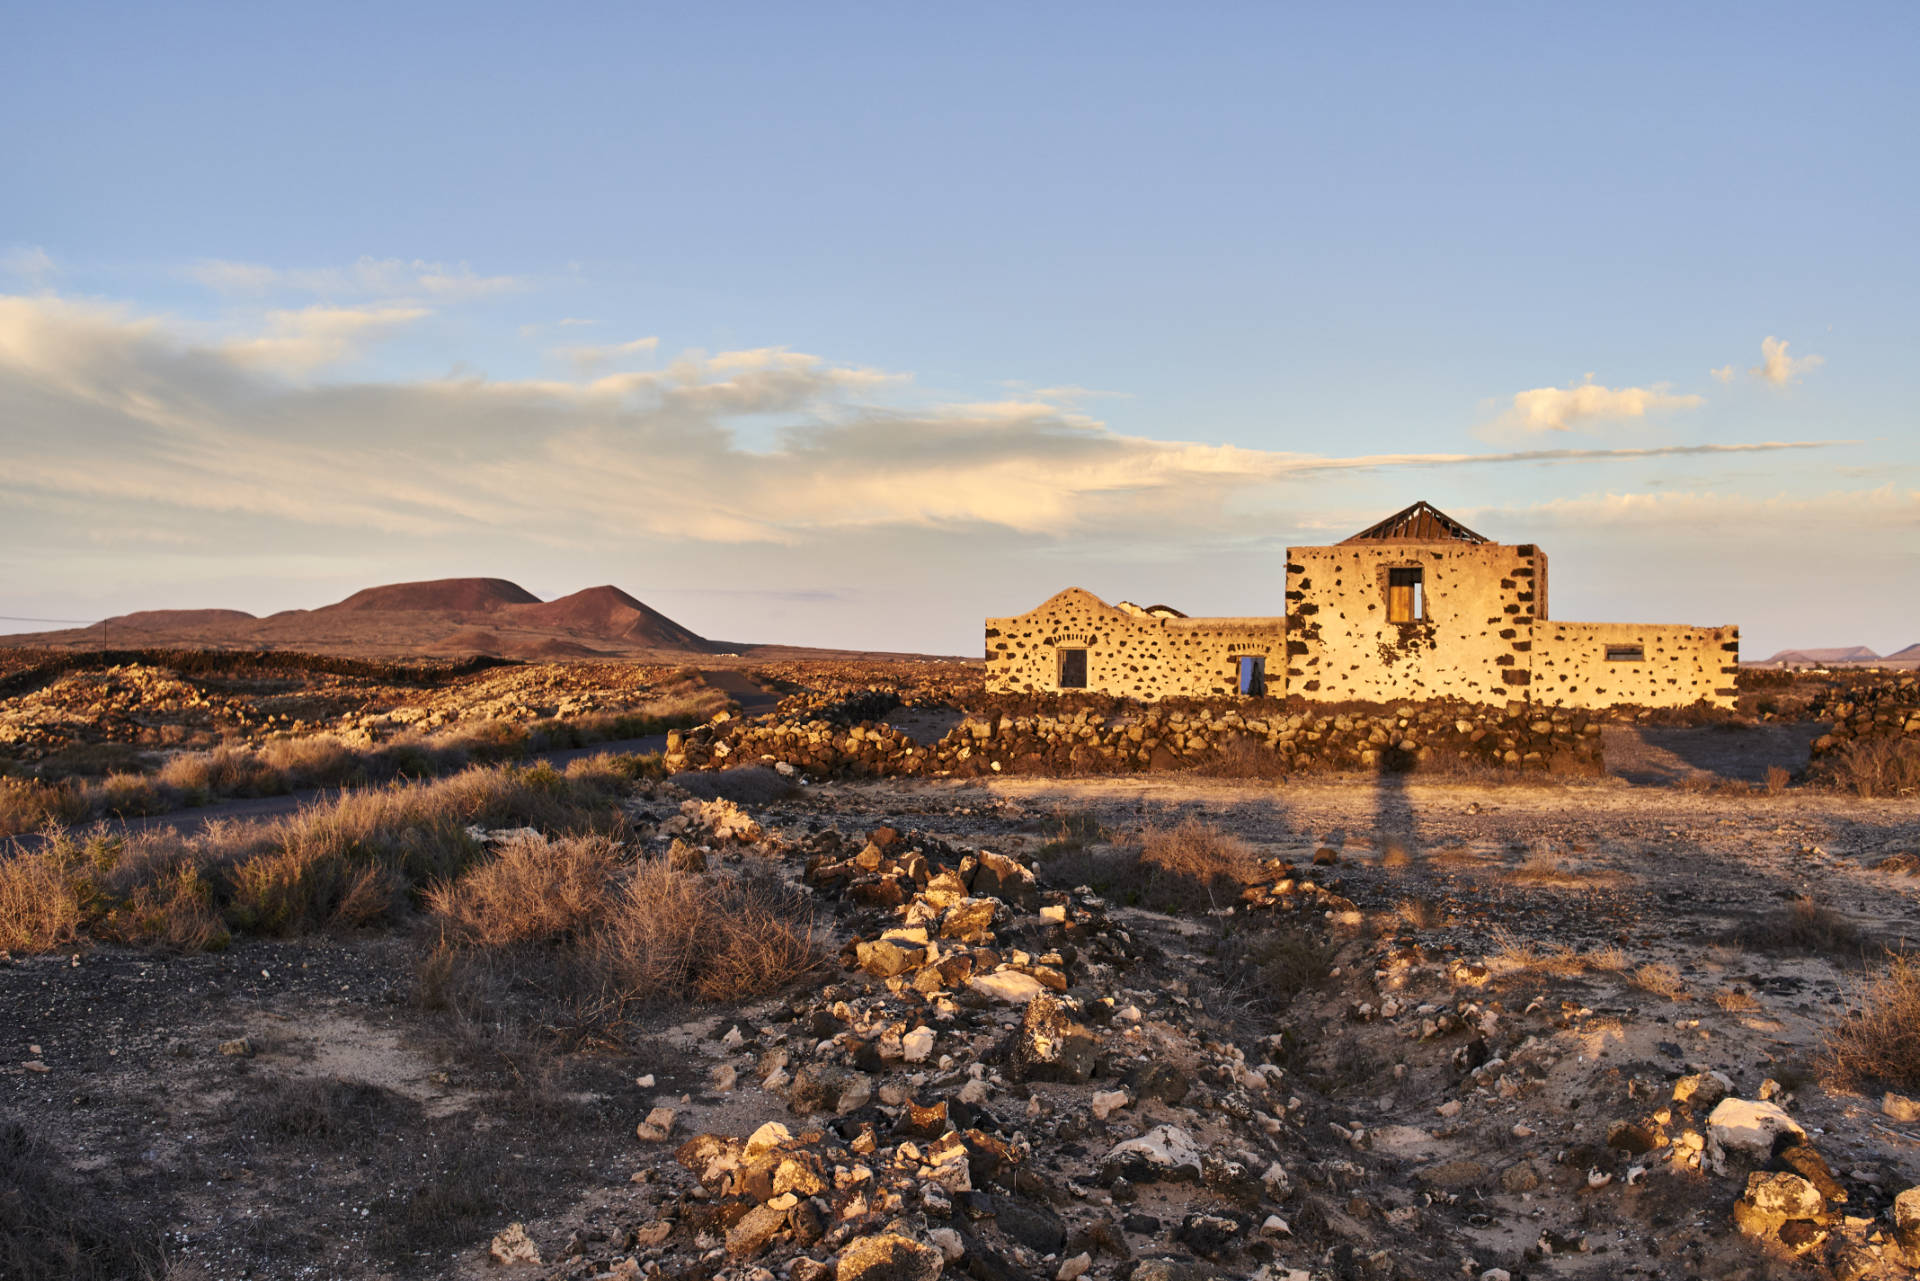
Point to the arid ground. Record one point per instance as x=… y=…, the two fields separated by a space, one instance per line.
x=584 y=1020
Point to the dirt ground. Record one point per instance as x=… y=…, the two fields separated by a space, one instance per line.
x=360 y=1132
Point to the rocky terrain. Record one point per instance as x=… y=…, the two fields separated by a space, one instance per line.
x=1423 y=1030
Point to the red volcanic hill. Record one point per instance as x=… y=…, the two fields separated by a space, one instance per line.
x=146 y=620
x=447 y=595
x=609 y=614
x=442 y=616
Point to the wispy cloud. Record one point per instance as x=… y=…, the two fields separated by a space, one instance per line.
x=30 y=263
x=592 y=359
x=299 y=342
x=1723 y=374
x=1779 y=368
x=377 y=278
x=1568 y=408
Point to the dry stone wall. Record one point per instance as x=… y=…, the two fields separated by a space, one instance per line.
x=1257 y=737
x=1127 y=654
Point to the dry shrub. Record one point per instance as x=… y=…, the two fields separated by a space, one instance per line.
x=224 y=771
x=320 y=760
x=54 y=1229
x=1878 y=1044
x=1736 y=1001
x=1777 y=780
x=176 y=910
x=132 y=794
x=1661 y=980
x=1876 y=765
x=1192 y=866
x=1394 y=855
x=26 y=805
x=40 y=908
x=532 y=890
x=717 y=938
x=1272 y=966
x=1415 y=914
x=1804 y=925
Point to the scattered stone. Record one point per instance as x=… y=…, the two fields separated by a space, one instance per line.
x=657 y=1126
x=513 y=1247
x=888 y=1256
x=1899 y=1107
x=1749 y=1127
x=239 y=1047
x=1106 y=1102
x=1050 y=1046
x=1164 y=1152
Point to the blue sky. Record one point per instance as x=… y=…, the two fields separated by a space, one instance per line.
x=852 y=325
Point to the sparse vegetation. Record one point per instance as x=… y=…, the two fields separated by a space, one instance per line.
x=1876 y=765
x=51 y=1231
x=347 y=863
x=1804 y=926
x=1878 y=1042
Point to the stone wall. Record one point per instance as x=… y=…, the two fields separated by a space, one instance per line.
x=1678 y=667
x=1130 y=655
x=1257 y=737
x=1472 y=644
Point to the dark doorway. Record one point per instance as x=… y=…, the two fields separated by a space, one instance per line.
x=1253 y=675
x=1073 y=669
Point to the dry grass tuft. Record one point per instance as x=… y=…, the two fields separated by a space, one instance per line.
x=715 y=938
x=533 y=890
x=1193 y=866
x=40 y=907
x=26 y=805
x=1878 y=1044
x=1803 y=926
x=1660 y=979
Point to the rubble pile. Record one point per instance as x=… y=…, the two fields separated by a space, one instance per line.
x=848 y=740
x=1012 y=1079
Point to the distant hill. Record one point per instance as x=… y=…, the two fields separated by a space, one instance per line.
x=1826 y=657
x=1911 y=654
x=441 y=616
x=449 y=595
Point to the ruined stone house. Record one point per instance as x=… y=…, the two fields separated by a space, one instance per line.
x=1415 y=607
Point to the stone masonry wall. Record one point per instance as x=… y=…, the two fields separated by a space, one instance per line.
x=1680 y=666
x=1127 y=655
x=1068 y=734
x=1473 y=643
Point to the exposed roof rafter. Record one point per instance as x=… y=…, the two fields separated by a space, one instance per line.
x=1420 y=523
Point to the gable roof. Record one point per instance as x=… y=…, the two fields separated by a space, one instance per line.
x=1420 y=523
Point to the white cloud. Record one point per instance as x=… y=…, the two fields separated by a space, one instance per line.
x=589 y=359
x=377 y=278
x=1777 y=367
x=1724 y=373
x=301 y=341
x=1565 y=408
x=132 y=417
x=29 y=262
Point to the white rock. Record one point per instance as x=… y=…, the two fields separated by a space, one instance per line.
x=949 y=1242
x=1075 y=1267
x=1165 y=1147
x=917 y=1045
x=644 y=1082
x=733 y=1040
x=724 y=1077
x=1749 y=1127
x=1057 y=913
x=1107 y=1102
x=1275 y=1226
x=1007 y=985
x=975 y=1092
x=1496 y=1274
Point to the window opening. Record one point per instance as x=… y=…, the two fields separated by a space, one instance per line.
x=1626 y=654
x=1073 y=669
x=1253 y=675
x=1406 y=596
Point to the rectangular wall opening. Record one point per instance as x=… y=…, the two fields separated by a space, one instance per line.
x=1253 y=675
x=1626 y=654
x=1073 y=669
x=1406 y=595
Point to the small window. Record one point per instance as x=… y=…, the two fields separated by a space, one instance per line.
x=1073 y=669
x=1626 y=654
x=1406 y=596
x=1253 y=675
